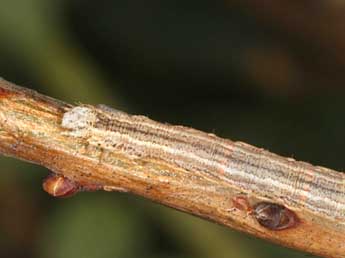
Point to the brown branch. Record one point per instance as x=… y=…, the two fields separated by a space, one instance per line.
x=288 y=202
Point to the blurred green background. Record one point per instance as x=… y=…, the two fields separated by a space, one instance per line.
x=270 y=73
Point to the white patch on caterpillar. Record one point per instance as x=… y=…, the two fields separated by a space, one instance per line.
x=79 y=120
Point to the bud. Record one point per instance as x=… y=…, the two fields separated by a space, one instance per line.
x=274 y=216
x=59 y=186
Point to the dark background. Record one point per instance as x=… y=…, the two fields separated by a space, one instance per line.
x=270 y=73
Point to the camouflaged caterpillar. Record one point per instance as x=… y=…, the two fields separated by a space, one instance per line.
x=298 y=185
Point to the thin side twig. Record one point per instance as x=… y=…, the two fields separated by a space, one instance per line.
x=234 y=184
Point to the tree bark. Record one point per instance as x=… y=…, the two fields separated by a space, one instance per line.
x=234 y=184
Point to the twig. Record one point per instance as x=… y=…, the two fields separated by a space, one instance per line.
x=240 y=186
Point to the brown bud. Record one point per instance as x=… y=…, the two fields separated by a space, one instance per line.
x=59 y=186
x=274 y=216
x=241 y=203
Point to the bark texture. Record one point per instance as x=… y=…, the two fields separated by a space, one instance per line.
x=30 y=129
